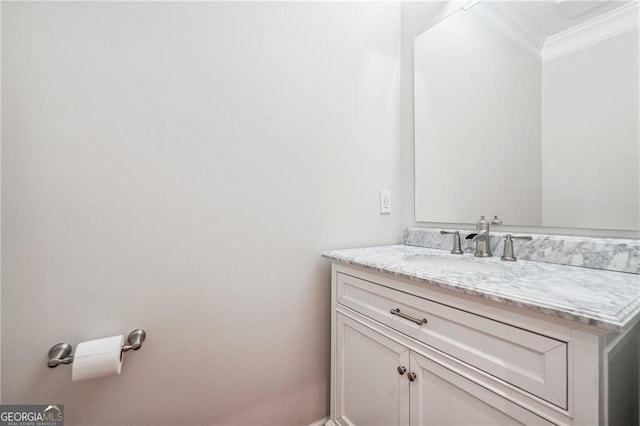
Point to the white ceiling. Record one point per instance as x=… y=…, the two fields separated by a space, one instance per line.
x=545 y=18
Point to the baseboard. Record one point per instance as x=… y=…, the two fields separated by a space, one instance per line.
x=322 y=422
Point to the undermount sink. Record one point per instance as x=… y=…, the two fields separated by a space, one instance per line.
x=451 y=264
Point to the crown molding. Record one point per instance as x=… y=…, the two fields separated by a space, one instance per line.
x=617 y=21
x=510 y=24
x=501 y=16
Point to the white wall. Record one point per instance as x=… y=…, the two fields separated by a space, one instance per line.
x=477 y=126
x=0 y=211
x=581 y=138
x=179 y=167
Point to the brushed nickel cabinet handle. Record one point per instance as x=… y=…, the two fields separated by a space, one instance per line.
x=411 y=376
x=401 y=370
x=397 y=312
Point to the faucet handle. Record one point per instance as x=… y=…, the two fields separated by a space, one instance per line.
x=456 y=249
x=508 y=254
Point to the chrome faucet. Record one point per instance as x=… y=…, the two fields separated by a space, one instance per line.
x=482 y=238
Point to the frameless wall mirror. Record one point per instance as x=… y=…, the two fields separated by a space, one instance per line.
x=529 y=110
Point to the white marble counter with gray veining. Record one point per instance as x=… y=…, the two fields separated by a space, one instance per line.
x=605 y=299
x=613 y=254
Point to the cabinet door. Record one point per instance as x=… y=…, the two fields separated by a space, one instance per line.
x=440 y=396
x=370 y=389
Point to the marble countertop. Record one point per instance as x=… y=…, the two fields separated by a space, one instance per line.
x=605 y=299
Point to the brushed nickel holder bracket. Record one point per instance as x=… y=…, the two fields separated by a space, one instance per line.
x=61 y=353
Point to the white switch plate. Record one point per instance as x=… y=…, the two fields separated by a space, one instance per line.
x=385 y=201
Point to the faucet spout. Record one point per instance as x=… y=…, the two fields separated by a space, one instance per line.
x=478 y=236
x=482 y=238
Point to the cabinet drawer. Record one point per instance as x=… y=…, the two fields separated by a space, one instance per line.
x=530 y=361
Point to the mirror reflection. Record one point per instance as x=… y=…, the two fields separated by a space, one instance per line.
x=529 y=111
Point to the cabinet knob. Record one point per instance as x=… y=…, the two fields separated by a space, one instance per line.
x=411 y=376
x=401 y=370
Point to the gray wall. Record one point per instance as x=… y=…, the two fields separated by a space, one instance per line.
x=180 y=167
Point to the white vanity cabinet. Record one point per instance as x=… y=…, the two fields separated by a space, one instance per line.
x=370 y=389
x=406 y=353
x=382 y=382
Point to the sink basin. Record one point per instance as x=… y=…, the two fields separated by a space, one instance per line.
x=452 y=264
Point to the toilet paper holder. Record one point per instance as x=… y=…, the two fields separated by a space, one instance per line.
x=61 y=352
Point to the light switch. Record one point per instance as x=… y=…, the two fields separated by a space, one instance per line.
x=385 y=201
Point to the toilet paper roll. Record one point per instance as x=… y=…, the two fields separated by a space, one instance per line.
x=97 y=358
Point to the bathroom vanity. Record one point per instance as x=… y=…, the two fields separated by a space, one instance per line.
x=426 y=333
x=424 y=337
